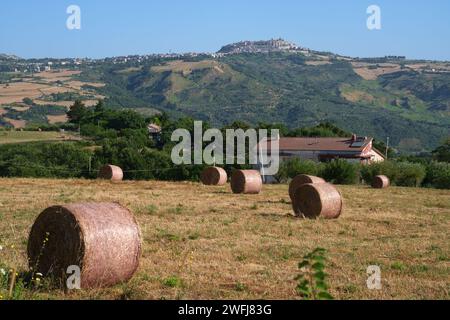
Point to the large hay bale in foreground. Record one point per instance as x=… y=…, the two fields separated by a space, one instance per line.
x=300 y=180
x=246 y=181
x=103 y=239
x=214 y=176
x=318 y=200
x=110 y=172
x=380 y=182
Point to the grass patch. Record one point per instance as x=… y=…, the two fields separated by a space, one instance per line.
x=179 y=209
x=194 y=236
x=172 y=282
x=241 y=287
x=165 y=235
x=399 y=266
x=151 y=209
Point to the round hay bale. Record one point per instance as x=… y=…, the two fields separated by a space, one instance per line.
x=214 y=176
x=102 y=239
x=318 y=200
x=110 y=172
x=300 y=180
x=246 y=181
x=380 y=182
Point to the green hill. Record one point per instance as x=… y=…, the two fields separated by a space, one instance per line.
x=408 y=101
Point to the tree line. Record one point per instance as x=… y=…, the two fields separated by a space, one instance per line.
x=121 y=137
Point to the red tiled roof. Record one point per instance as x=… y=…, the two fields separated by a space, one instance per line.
x=154 y=128
x=322 y=144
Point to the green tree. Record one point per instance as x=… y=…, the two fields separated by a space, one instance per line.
x=99 y=107
x=77 y=112
x=127 y=119
x=99 y=111
x=442 y=153
x=27 y=101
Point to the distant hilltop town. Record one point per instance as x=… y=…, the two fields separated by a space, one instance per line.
x=12 y=63
x=273 y=45
x=17 y=64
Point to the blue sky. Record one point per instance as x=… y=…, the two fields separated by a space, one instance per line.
x=417 y=29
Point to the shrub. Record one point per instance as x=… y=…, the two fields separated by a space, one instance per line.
x=387 y=168
x=409 y=174
x=293 y=167
x=437 y=175
x=404 y=174
x=39 y=160
x=341 y=172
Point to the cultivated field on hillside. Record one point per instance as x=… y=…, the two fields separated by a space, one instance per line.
x=207 y=243
x=49 y=88
x=186 y=67
x=7 y=137
x=43 y=84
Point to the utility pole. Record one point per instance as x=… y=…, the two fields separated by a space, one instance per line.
x=262 y=162
x=387 y=147
x=90 y=164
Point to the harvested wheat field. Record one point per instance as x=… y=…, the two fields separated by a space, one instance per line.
x=44 y=84
x=372 y=71
x=16 y=123
x=202 y=242
x=57 y=119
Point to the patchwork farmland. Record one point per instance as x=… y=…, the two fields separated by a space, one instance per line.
x=202 y=242
x=56 y=88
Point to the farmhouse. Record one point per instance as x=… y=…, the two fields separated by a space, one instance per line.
x=153 y=129
x=354 y=149
x=154 y=133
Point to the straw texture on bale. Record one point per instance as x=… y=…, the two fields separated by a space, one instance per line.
x=300 y=180
x=318 y=200
x=214 y=176
x=103 y=239
x=246 y=181
x=110 y=172
x=380 y=182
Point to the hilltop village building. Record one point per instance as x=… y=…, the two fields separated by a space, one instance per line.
x=273 y=45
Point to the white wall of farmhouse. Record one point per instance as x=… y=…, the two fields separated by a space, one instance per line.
x=318 y=156
x=376 y=157
x=305 y=155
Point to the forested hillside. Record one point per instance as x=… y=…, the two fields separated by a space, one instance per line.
x=410 y=106
x=408 y=101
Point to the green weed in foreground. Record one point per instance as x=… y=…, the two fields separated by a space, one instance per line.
x=312 y=278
